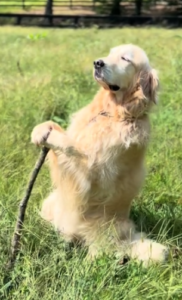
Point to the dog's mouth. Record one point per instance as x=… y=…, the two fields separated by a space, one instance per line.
x=98 y=76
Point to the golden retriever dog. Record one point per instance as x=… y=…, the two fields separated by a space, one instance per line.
x=97 y=164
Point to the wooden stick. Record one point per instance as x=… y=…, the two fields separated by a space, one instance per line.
x=22 y=208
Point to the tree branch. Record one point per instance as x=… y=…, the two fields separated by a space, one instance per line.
x=22 y=208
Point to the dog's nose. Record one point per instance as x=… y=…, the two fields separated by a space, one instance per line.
x=99 y=63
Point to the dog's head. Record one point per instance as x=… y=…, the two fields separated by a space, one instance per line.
x=125 y=68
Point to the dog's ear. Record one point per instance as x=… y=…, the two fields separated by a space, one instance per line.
x=150 y=84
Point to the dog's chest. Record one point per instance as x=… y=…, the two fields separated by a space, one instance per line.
x=117 y=172
x=103 y=134
x=114 y=152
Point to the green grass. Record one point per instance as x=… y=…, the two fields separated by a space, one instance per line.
x=55 y=79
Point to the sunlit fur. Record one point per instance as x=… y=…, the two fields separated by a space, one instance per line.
x=97 y=164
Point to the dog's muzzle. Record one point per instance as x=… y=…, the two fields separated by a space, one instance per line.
x=99 y=65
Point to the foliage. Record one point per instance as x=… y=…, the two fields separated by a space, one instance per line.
x=51 y=77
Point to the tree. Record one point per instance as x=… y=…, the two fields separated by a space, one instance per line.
x=138 y=7
x=49 y=7
x=111 y=7
x=23 y=4
x=49 y=11
x=115 y=7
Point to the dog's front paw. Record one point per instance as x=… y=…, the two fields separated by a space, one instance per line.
x=40 y=133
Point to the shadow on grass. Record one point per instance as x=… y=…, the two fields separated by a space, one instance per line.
x=159 y=222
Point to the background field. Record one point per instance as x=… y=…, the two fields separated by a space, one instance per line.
x=48 y=74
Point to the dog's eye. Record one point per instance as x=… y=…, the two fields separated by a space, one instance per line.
x=125 y=58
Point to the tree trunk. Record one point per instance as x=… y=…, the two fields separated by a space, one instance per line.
x=49 y=7
x=49 y=11
x=115 y=9
x=23 y=4
x=138 y=7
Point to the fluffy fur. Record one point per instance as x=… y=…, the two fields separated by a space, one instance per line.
x=97 y=164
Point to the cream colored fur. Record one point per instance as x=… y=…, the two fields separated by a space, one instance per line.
x=97 y=164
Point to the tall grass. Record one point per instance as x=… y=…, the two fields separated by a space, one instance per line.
x=48 y=75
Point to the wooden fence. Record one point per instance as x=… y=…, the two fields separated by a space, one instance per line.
x=39 y=5
x=86 y=12
x=128 y=7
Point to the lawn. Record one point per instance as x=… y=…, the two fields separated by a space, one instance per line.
x=47 y=74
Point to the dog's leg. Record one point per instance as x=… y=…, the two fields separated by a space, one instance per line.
x=60 y=141
x=109 y=237
x=54 y=210
x=74 y=161
x=52 y=136
x=48 y=206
